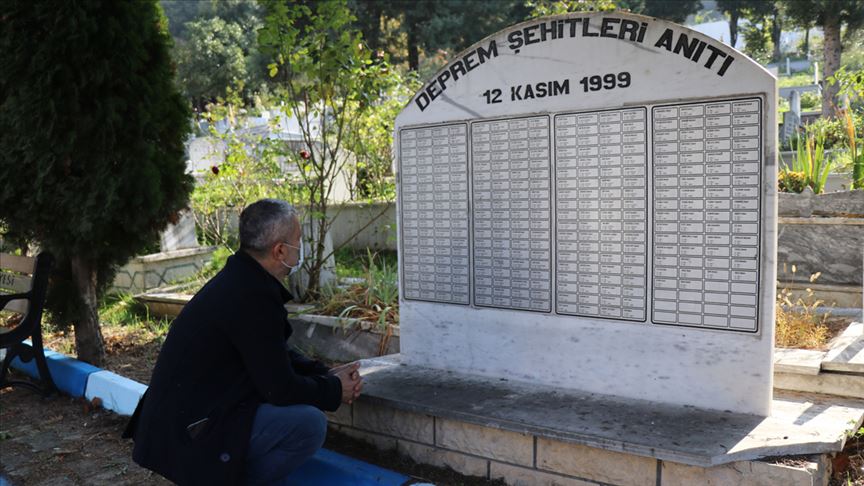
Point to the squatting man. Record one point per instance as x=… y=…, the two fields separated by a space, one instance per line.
x=229 y=402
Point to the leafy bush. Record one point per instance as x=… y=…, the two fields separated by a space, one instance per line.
x=374 y=299
x=811 y=101
x=854 y=154
x=791 y=181
x=810 y=165
x=834 y=130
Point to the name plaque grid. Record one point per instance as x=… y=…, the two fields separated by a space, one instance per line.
x=707 y=203
x=479 y=200
x=601 y=215
x=434 y=212
x=511 y=198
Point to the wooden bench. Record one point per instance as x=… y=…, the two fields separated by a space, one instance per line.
x=23 y=285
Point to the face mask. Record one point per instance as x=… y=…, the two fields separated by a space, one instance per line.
x=299 y=260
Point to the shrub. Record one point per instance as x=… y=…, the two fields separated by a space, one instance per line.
x=810 y=161
x=791 y=181
x=799 y=324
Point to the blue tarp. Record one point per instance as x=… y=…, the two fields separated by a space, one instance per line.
x=331 y=468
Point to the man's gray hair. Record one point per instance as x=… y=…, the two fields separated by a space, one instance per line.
x=265 y=223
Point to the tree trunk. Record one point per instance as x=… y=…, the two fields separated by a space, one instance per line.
x=831 y=63
x=413 y=49
x=88 y=335
x=776 y=32
x=376 y=10
x=733 y=27
x=807 y=43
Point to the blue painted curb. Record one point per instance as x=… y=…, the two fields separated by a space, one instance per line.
x=69 y=374
x=325 y=467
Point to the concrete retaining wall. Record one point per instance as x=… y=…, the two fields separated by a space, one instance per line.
x=362 y=226
x=147 y=272
x=822 y=233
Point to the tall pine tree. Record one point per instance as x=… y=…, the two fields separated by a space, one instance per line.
x=92 y=163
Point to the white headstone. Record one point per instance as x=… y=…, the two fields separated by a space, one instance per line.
x=181 y=235
x=589 y=201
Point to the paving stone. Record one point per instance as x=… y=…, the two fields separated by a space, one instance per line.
x=398 y=423
x=744 y=473
x=800 y=361
x=847 y=350
x=500 y=445
x=521 y=476
x=461 y=463
x=595 y=464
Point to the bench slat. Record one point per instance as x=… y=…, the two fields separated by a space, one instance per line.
x=12 y=283
x=19 y=306
x=17 y=263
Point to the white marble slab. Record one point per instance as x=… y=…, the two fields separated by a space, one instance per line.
x=847 y=350
x=799 y=361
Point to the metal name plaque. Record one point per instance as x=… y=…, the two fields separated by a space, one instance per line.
x=589 y=201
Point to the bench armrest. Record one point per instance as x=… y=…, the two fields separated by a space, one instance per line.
x=6 y=298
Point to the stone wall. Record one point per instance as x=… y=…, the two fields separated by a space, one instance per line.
x=524 y=459
x=821 y=233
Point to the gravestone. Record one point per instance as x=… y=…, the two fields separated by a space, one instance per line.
x=589 y=201
x=180 y=235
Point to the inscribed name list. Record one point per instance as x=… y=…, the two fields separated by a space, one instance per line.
x=434 y=213
x=707 y=159
x=601 y=215
x=512 y=215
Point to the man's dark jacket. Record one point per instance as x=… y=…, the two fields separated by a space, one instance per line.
x=224 y=355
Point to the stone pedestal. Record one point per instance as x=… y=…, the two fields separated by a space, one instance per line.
x=530 y=435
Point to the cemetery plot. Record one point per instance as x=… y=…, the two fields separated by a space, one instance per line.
x=434 y=192
x=511 y=199
x=707 y=194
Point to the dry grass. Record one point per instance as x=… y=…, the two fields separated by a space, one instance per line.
x=374 y=299
x=800 y=324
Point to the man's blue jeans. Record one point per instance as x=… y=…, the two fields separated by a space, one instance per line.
x=282 y=439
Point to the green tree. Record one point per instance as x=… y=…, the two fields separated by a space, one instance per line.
x=181 y=11
x=674 y=10
x=736 y=9
x=428 y=26
x=216 y=48
x=92 y=162
x=542 y=8
x=832 y=16
x=213 y=59
x=329 y=81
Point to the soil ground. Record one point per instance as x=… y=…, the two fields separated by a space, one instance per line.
x=64 y=441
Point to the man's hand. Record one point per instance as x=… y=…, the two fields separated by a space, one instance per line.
x=352 y=383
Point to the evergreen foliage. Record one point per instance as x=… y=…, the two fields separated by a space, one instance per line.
x=92 y=162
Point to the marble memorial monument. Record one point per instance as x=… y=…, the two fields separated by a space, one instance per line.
x=589 y=201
